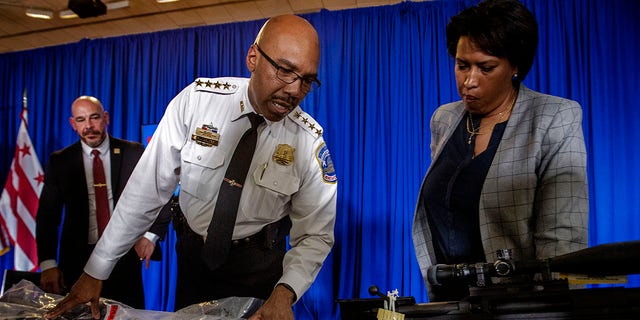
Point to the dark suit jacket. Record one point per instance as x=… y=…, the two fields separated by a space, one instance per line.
x=65 y=187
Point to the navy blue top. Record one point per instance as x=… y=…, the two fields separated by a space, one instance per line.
x=451 y=196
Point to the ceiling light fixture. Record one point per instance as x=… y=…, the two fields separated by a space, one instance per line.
x=39 y=13
x=118 y=4
x=67 y=14
x=165 y=1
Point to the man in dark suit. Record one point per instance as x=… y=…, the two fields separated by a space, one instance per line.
x=70 y=184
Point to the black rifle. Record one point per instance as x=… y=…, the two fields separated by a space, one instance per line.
x=519 y=294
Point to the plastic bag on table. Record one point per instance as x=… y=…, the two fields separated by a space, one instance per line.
x=27 y=301
x=232 y=308
x=226 y=308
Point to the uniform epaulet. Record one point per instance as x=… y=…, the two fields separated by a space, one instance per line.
x=216 y=85
x=306 y=121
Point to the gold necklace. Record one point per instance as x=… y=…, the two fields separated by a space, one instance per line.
x=472 y=131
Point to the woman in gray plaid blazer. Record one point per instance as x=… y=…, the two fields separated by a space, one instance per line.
x=508 y=164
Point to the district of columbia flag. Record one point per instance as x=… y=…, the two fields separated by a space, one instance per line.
x=19 y=202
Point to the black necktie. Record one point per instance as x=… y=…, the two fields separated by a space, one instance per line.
x=220 y=231
x=100 y=188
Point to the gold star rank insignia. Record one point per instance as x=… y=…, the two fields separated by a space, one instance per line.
x=216 y=85
x=306 y=121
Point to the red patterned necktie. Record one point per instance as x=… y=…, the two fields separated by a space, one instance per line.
x=100 y=187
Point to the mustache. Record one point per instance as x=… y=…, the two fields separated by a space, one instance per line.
x=87 y=132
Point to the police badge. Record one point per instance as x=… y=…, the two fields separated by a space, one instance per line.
x=284 y=154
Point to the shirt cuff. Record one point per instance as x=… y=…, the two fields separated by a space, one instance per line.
x=48 y=264
x=99 y=268
x=293 y=282
x=151 y=237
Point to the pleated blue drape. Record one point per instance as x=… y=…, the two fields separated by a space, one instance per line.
x=384 y=70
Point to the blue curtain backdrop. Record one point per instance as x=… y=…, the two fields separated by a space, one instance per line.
x=384 y=71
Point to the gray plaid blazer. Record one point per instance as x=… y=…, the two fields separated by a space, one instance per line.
x=535 y=196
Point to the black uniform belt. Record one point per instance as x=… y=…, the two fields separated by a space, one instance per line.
x=270 y=235
x=250 y=240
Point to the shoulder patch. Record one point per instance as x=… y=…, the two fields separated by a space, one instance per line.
x=216 y=85
x=304 y=120
x=326 y=164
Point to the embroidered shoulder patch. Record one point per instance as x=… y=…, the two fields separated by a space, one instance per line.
x=216 y=85
x=326 y=164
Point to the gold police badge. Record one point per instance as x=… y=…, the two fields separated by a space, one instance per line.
x=206 y=136
x=284 y=154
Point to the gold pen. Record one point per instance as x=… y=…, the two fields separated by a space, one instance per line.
x=264 y=167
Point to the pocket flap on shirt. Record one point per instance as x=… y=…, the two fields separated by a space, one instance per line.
x=280 y=182
x=204 y=158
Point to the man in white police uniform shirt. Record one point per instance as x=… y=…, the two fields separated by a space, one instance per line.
x=291 y=175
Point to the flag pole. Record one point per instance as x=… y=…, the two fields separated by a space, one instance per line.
x=24 y=107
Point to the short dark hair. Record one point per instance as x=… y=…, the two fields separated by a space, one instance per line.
x=502 y=28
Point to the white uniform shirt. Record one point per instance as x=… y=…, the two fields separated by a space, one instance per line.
x=303 y=187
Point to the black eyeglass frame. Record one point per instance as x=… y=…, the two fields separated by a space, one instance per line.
x=310 y=82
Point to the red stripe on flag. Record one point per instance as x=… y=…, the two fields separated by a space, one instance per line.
x=13 y=200
x=27 y=194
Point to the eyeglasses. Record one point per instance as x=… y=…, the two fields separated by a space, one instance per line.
x=289 y=76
